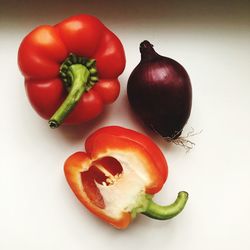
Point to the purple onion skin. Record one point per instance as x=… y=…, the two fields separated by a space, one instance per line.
x=160 y=92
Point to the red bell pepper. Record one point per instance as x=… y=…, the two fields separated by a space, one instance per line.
x=118 y=175
x=71 y=69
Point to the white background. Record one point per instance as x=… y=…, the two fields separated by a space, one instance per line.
x=212 y=41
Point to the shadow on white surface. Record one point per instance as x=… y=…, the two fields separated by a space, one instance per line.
x=14 y=13
x=211 y=39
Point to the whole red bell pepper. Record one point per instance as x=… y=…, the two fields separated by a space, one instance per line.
x=118 y=175
x=71 y=69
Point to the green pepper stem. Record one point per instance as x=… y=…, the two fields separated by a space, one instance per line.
x=158 y=212
x=79 y=75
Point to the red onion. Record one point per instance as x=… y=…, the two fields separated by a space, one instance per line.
x=159 y=91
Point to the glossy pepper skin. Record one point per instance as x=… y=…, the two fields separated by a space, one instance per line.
x=71 y=69
x=118 y=175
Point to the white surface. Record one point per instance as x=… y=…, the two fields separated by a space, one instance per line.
x=38 y=210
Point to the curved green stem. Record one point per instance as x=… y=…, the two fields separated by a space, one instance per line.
x=158 y=212
x=79 y=75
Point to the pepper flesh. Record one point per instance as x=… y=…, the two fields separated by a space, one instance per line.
x=80 y=40
x=118 y=175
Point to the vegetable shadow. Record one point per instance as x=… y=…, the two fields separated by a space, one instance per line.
x=76 y=133
x=141 y=127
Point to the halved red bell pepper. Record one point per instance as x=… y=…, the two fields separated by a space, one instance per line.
x=118 y=175
x=71 y=69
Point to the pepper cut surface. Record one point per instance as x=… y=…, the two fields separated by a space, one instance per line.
x=118 y=175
